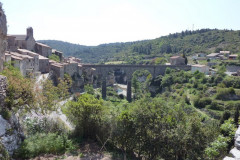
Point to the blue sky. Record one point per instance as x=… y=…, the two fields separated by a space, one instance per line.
x=93 y=22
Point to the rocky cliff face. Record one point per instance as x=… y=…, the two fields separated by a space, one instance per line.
x=10 y=132
x=3 y=36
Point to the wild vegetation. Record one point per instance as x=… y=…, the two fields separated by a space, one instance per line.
x=180 y=115
x=188 y=42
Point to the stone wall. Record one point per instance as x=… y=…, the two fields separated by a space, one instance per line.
x=233 y=68
x=71 y=68
x=44 y=65
x=43 y=50
x=3 y=87
x=3 y=36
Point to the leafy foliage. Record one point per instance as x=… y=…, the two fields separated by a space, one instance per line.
x=54 y=57
x=20 y=90
x=42 y=143
x=87 y=114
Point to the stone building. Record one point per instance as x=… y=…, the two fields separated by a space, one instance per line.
x=24 y=63
x=43 y=49
x=32 y=54
x=44 y=65
x=3 y=36
x=201 y=68
x=28 y=42
x=72 y=59
x=22 y=41
x=177 y=60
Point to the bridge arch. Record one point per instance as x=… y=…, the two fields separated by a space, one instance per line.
x=155 y=70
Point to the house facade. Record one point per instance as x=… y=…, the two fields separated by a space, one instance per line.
x=177 y=60
x=201 y=68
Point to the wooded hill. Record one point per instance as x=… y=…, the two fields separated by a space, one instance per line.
x=188 y=42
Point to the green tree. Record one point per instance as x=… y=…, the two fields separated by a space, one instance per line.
x=185 y=57
x=20 y=91
x=47 y=96
x=87 y=114
x=63 y=87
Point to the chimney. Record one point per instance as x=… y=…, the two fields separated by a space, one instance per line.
x=29 y=32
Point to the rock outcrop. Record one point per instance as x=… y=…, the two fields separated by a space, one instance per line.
x=10 y=134
x=3 y=36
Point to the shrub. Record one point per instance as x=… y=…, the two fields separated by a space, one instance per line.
x=87 y=113
x=215 y=106
x=202 y=102
x=42 y=143
x=225 y=93
x=45 y=125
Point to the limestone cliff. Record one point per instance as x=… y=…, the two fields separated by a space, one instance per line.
x=3 y=36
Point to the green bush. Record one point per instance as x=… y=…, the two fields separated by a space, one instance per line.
x=42 y=143
x=202 y=102
x=225 y=93
x=215 y=106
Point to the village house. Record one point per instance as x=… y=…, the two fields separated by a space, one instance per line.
x=32 y=54
x=43 y=49
x=201 y=68
x=72 y=59
x=233 y=57
x=201 y=55
x=24 y=63
x=44 y=65
x=225 y=53
x=177 y=60
x=214 y=56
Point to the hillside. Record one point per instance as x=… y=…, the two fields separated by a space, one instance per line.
x=189 y=42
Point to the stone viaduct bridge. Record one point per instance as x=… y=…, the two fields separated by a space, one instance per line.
x=155 y=70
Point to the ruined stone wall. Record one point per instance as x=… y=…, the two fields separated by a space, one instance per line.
x=59 y=54
x=21 y=65
x=3 y=36
x=57 y=72
x=44 y=65
x=3 y=87
x=42 y=50
x=71 y=68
